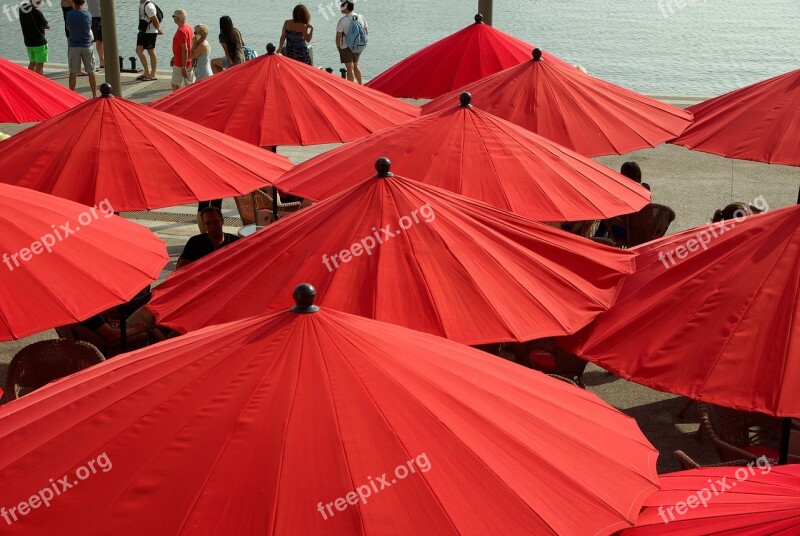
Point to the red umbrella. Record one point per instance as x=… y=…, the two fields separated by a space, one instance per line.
x=711 y=313
x=261 y=426
x=134 y=157
x=26 y=96
x=273 y=100
x=475 y=154
x=475 y=52
x=588 y=115
x=759 y=122
x=411 y=254
x=63 y=262
x=747 y=501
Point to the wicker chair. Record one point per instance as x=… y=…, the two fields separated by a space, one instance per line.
x=604 y=241
x=585 y=229
x=564 y=364
x=248 y=205
x=732 y=431
x=563 y=379
x=648 y=224
x=42 y=362
x=77 y=332
x=688 y=463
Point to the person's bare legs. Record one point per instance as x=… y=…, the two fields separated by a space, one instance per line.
x=93 y=83
x=39 y=68
x=100 y=53
x=357 y=73
x=73 y=81
x=153 y=62
x=350 y=73
x=32 y=66
x=143 y=59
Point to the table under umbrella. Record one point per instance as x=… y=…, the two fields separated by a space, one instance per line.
x=133 y=157
x=470 y=152
x=64 y=262
x=736 y=501
x=277 y=101
x=759 y=122
x=404 y=252
x=26 y=96
x=583 y=113
x=477 y=51
x=263 y=425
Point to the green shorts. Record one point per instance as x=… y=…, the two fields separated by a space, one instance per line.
x=38 y=54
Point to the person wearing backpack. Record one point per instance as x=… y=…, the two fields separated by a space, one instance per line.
x=150 y=17
x=351 y=40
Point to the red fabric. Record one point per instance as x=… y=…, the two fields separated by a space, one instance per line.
x=588 y=115
x=475 y=154
x=758 y=122
x=26 y=96
x=274 y=100
x=93 y=262
x=720 y=326
x=136 y=157
x=477 y=51
x=473 y=274
x=246 y=428
x=183 y=36
x=764 y=502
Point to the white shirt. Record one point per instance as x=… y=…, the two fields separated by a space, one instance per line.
x=146 y=11
x=344 y=26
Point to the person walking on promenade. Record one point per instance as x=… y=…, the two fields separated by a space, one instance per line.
x=181 y=62
x=97 y=29
x=232 y=44
x=201 y=51
x=33 y=26
x=297 y=33
x=79 y=24
x=347 y=55
x=149 y=30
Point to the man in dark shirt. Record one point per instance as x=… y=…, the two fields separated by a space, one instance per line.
x=33 y=26
x=204 y=244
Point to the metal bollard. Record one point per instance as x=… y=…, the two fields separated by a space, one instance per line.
x=132 y=59
x=121 y=63
x=329 y=70
x=344 y=72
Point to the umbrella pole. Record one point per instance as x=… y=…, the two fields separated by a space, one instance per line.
x=274 y=149
x=485 y=8
x=111 y=46
x=786 y=431
x=123 y=328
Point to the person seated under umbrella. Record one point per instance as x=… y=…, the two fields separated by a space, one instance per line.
x=135 y=324
x=206 y=243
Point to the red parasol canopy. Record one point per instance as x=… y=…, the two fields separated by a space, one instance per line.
x=26 y=96
x=134 y=157
x=411 y=254
x=475 y=52
x=273 y=100
x=741 y=501
x=721 y=325
x=255 y=427
x=63 y=262
x=759 y=122
x=588 y=115
x=475 y=154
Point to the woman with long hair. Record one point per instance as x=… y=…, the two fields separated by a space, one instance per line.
x=232 y=44
x=297 y=33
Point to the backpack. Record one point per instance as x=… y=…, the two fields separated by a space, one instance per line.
x=356 y=36
x=249 y=53
x=144 y=24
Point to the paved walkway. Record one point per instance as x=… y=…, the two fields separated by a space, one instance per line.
x=693 y=184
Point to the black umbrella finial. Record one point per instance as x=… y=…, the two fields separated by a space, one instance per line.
x=270 y=49
x=304 y=295
x=384 y=168
x=105 y=90
x=478 y=19
x=537 y=54
x=465 y=99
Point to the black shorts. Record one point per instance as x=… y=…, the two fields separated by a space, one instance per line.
x=146 y=40
x=97 y=29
